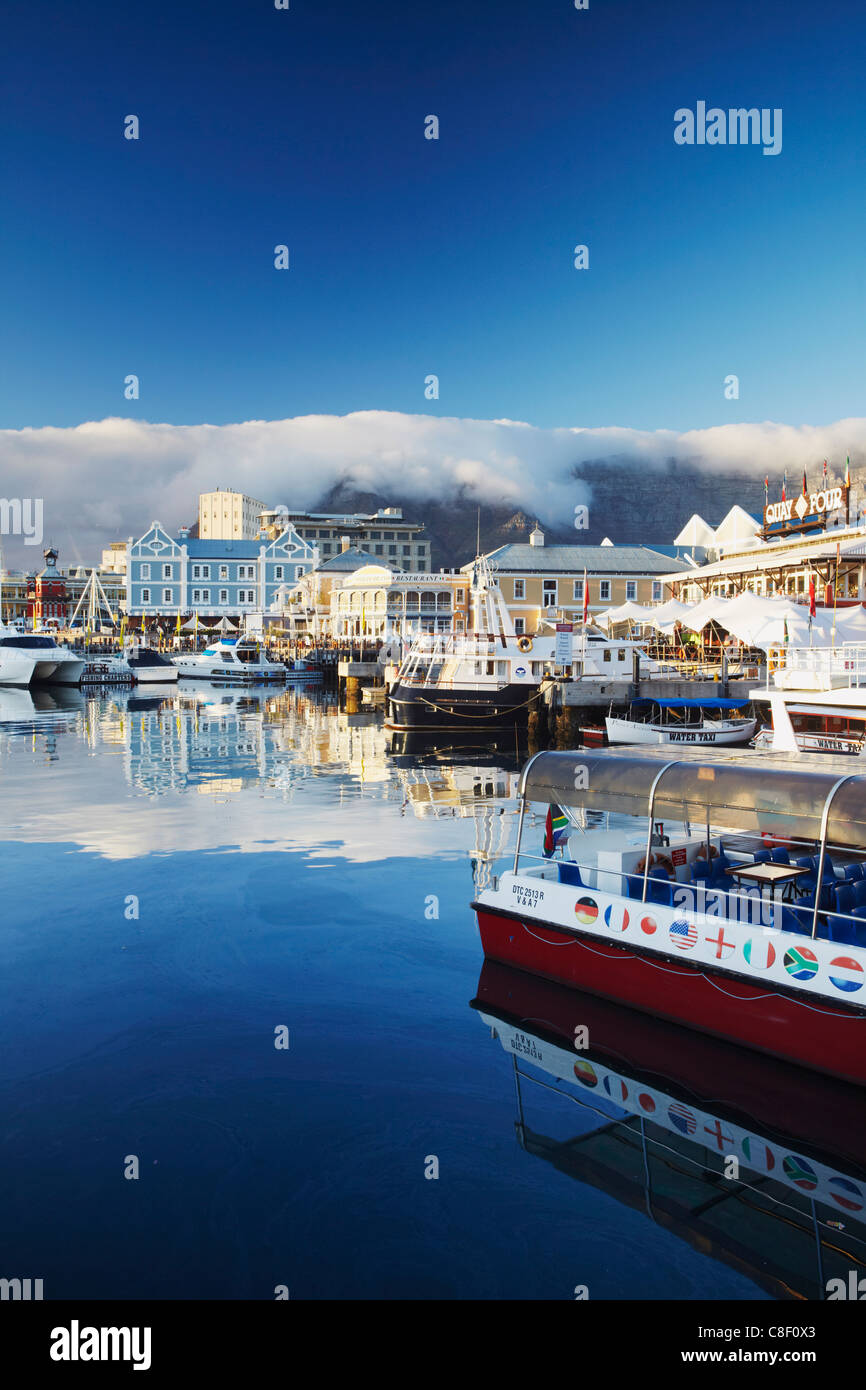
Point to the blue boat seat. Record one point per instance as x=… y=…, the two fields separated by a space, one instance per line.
x=829 y=874
x=762 y=856
x=859 y=892
x=780 y=855
x=659 y=888
x=845 y=898
x=852 y=872
x=844 y=931
x=700 y=870
x=570 y=873
x=796 y=919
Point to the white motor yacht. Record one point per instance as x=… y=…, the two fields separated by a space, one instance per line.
x=230 y=659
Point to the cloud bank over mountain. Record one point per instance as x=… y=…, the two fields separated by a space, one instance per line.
x=109 y=479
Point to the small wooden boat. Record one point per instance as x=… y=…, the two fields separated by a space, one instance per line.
x=676 y=721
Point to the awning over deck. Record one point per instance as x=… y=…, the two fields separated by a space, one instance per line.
x=709 y=703
x=788 y=803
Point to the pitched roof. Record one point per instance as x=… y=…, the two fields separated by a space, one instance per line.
x=349 y=560
x=573 y=559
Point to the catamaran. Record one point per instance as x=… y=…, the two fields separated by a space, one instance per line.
x=729 y=898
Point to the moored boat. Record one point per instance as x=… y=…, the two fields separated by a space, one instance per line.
x=691 y=924
x=489 y=676
x=653 y=720
x=230 y=659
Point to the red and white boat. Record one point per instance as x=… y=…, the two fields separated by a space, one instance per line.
x=668 y=910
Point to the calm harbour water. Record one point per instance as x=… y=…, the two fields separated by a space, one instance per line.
x=290 y=866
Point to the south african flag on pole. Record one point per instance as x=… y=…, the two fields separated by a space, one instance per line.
x=555 y=829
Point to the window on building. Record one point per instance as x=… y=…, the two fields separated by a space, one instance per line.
x=402 y=535
x=657 y=591
x=407 y=550
x=326 y=548
x=196 y=571
x=459 y=596
x=145 y=571
x=196 y=595
x=224 y=595
x=166 y=595
x=604 y=591
x=549 y=595
x=380 y=550
x=392 y=550
x=375 y=535
x=519 y=626
x=630 y=590
x=166 y=571
x=224 y=571
x=520 y=588
x=299 y=570
x=145 y=595
x=578 y=589
x=278 y=572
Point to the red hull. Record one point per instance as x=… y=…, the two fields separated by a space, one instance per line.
x=830 y=1040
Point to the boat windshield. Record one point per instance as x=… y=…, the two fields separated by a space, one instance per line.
x=29 y=642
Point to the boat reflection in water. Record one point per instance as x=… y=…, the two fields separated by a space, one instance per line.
x=669 y=1109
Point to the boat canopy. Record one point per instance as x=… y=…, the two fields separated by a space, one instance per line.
x=709 y=703
x=797 y=804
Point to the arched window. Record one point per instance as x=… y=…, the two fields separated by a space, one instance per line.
x=444 y=599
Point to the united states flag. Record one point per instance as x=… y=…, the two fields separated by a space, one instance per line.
x=683 y=935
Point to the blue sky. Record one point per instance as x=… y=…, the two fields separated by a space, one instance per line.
x=410 y=256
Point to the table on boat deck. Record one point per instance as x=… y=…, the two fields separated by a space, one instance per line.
x=768 y=875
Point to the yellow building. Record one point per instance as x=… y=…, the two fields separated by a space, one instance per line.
x=545 y=582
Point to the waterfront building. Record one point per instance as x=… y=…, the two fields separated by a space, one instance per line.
x=306 y=606
x=15 y=601
x=167 y=576
x=376 y=601
x=545 y=582
x=46 y=594
x=114 y=558
x=384 y=535
x=772 y=562
x=227 y=515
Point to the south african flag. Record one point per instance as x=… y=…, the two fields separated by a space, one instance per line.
x=555 y=829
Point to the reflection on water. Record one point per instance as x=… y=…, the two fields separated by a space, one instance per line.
x=185 y=869
x=758 y=1163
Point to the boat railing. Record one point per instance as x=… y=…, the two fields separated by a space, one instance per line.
x=750 y=905
x=846 y=661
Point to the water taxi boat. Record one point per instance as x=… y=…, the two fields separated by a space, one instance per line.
x=686 y=909
x=821 y=692
x=652 y=720
x=230 y=659
x=661 y=1113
